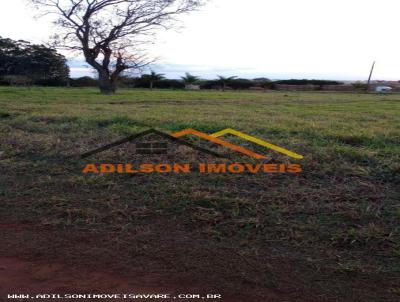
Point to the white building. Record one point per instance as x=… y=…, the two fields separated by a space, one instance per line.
x=192 y=87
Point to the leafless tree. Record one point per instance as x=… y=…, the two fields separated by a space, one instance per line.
x=111 y=33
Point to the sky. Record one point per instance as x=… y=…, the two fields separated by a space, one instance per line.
x=277 y=39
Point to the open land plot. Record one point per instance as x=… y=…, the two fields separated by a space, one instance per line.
x=330 y=233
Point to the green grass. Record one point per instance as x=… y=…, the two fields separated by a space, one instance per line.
x=334 y=229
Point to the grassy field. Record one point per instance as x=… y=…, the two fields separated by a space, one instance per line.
x=331 y=233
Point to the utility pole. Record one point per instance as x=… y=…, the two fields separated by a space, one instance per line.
x=370 y=76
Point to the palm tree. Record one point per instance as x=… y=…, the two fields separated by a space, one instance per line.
x=153 y=77
x=189 y=79
x=224 y=81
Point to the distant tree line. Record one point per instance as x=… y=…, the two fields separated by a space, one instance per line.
x=23 y=63
x=158 y=81
x=223 y=83
x=307 y=82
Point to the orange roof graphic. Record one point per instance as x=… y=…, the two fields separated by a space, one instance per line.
x=219 y=142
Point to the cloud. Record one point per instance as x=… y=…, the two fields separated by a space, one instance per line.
x=260 y=38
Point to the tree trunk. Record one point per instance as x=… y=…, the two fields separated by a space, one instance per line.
x=106 y=84
x=151 y=85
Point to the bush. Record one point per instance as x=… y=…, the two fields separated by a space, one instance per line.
x=307 y=82
x=235 y=84
x=211 y=84
x=360 y=85
x=263 y=83
x=83 y=82
x=126 y=82
x=170 y=84
x=144 y=82
x=238 y=84
x=51 y=82
x=17 y=80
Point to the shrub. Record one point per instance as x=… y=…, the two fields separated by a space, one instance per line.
x=170 y=84
x=237 y=84
x=84 y=82
x=17 y=80
x=210 y=84
x=360 y=85
x=307 y=82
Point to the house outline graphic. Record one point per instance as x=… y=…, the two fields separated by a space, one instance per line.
x=214 y=138
x=134 y=137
